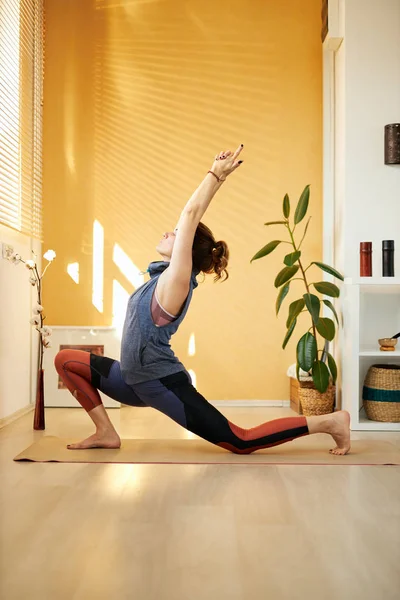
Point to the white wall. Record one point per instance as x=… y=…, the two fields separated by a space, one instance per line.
x=16 y=357
x=367 y=74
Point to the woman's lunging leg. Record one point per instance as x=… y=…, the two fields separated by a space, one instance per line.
x=176 y=397
x=73 y=366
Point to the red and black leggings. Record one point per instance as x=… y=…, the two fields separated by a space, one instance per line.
x=85 y=374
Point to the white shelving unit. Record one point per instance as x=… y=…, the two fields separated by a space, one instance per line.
x=371 y=310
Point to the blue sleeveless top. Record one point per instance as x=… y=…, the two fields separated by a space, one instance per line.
x=146 y=352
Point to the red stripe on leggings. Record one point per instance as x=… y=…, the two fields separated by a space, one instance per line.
x=269 y=428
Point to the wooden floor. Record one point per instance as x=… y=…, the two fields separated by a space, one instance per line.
x=186 y=532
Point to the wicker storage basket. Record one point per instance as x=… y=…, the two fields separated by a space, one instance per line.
x=294 y=396
x=314 y=402
x=381 y=393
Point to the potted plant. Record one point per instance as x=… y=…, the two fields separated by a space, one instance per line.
x=317 y=396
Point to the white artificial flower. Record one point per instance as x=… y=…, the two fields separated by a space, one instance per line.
x=37 y=309
x=30 y=264
x=46 y=331
x=15 y=258
x=32 y=280
x=35 y=320
x=46 y=342
x=49 y=255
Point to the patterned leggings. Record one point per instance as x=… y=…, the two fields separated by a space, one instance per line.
x=84 y=374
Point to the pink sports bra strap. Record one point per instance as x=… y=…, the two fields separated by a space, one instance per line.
x=160 y=316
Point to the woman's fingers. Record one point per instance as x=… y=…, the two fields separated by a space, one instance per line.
x=236 y=164
x=237 y=152
x=223 y=154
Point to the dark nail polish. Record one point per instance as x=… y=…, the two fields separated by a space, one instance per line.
x=240 y=162
x=241 y=145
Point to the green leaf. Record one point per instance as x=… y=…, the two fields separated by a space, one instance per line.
x=332 y=367
x=286 y=206
x=294 y=310
x=289 y=333
x=305 y=231
x=286 y=274
x=266 y=250
x=307 y=351
x=313 y=305
x=329 y=304
x=320 y=375
x=283 y=292
x=329 y=270
x=290 y=259
x=302 y=205
x=275 y=223
x=326 y=327
x=329 y=289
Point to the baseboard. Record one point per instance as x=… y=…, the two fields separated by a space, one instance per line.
x=227 y=403
x=252 y=403
x=16 y=415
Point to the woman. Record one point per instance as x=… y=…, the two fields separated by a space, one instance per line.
x=149 y=373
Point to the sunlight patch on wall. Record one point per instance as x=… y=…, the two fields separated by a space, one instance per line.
x=73 y=271
x=119 y=304
x=98 y=266
x=192 y=345
x=127 y=267
x=193 y=376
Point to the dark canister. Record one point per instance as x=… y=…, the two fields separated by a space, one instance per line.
x=388 y=258
x=365 y=259
x=392 y=144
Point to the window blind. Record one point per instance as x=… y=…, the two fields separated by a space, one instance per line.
x=21 y=98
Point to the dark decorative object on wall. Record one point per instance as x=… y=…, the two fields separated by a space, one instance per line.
x=392 y=144
x=324 y=19
x=388 y=258
x=365 y=259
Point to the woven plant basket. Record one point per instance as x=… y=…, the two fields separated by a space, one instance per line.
x=381 y=393
x=314 y=402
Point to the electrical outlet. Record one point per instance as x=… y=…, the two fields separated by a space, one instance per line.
x=7 y=250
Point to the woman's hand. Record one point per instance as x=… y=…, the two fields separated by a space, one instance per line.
x=226 y=162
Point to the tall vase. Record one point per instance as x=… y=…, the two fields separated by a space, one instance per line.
x=38 y=420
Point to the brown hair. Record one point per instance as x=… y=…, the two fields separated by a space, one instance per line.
x=210 y=256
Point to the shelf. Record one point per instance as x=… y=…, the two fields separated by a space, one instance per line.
x=365 y=424
x=373 y=281
x=378 y=354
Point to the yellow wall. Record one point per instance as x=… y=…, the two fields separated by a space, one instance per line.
x=138 y=98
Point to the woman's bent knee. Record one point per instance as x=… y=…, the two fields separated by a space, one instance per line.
x=60 y=359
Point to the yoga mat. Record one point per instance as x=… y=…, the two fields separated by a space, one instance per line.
x=304 y=451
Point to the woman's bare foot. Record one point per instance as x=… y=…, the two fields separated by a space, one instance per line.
x=101 y=439
x=339 y=428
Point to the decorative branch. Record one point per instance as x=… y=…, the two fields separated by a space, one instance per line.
x=35 y=279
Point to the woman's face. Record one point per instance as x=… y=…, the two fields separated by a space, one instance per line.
x=166 y=244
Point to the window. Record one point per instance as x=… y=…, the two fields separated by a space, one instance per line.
x=21 y=90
